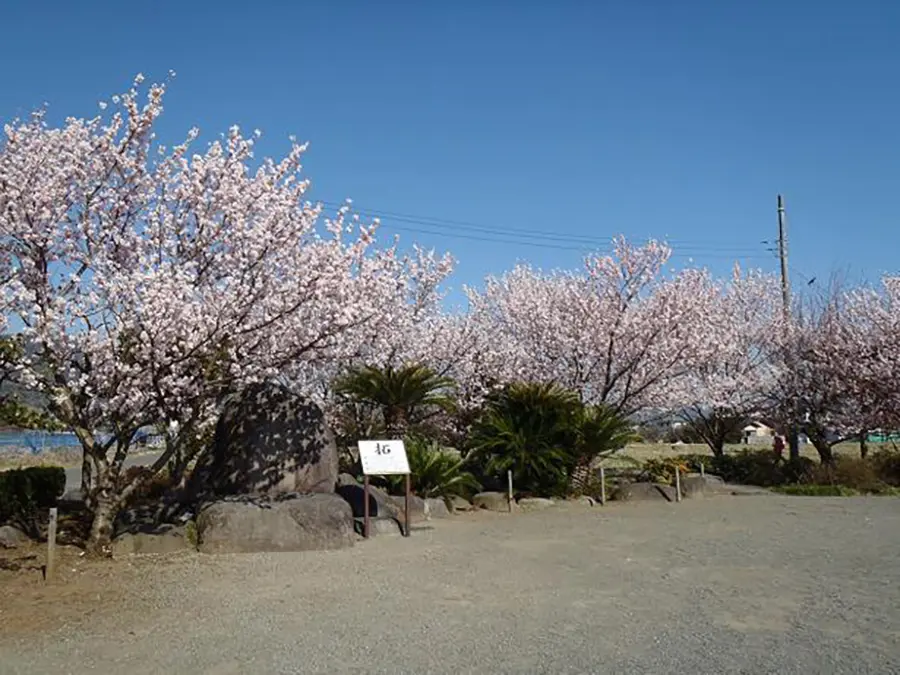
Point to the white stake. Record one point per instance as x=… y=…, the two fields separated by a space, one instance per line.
x=510 y=495
x=51 y=545
x=677 y=484
x=602 y=486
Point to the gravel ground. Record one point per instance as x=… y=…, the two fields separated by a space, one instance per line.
x=724 y=585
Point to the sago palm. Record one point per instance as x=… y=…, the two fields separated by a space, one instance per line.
x=597 y=431
x=435 y=471
x=527 y=429
x=404 y=396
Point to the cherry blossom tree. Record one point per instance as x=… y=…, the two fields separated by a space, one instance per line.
x=822 y=361
x=151 y=281
x=855 y=350
x=618 y=333
x=720 y=393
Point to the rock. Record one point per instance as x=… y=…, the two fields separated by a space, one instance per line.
x=535 y=503
x=380 y=504
x=10 y=536
x=628 y=492
x=711 y=478
x=164 y=539
x=584 y=500
x=268 y=441
x=695 y=485
x=346 y=479
x=492 y=501
x=307 y=522
x=378 y=526
x=460 y=504
x=417 y=512
x=437 y=508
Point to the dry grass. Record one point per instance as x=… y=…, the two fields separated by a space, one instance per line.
x=66 y=457
x=52 y=457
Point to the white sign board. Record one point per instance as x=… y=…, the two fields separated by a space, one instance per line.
x=382 y=458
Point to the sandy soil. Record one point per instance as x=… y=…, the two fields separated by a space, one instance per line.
x=721 y=585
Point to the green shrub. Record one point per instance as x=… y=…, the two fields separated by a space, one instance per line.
x=593 y=487
x=546 y=436
x=26 y=493
x=663 y=470
x=879 y=474
x=817 y=490
x=597 y=431
x=436 y=472
x=887 y=466
x=191 y=535
x=870 y=476
x=851 y=472
x=693 y=462
x=403 y=398
x=527 y=429
x=752 y=467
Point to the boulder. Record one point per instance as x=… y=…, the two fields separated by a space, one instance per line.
x=712 y=480
x=492 y=501
x=306 y=522
x=535 y=503
x=346 y=479
x=460 y=504
x=268 y=441
x=633 y=492
x=164 y=539
x=695 y=485
x=436 y=508
x=584 y=500
x=10 y=536
x=417 y=509
x=378 y=526
x=380 y=504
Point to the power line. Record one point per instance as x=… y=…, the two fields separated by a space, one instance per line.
x=584 y=248
x=533 y=237
x=810 y=280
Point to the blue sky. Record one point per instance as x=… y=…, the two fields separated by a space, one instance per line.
x=581 y=120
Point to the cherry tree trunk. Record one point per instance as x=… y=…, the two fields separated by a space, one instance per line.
x=86 y=478
x=105 y=503
x=717 y=445
x=826 y=452
x=105 y=511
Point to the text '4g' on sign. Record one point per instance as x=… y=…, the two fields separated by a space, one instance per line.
x=381 y=458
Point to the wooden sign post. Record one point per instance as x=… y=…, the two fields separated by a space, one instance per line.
x=383 y=458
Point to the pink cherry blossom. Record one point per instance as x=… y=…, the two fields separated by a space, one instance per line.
x=151 y=284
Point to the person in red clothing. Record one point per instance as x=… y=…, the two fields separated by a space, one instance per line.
x=778 y=447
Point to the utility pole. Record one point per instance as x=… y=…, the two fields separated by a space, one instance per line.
x=793 y=436
x=783 y=256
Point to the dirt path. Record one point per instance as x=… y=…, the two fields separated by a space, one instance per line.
x=723 y=585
